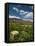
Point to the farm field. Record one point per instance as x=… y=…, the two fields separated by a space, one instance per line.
x=20 y=31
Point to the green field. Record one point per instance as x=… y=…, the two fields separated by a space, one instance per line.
x=20 y=32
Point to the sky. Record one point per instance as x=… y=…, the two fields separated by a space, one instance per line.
x=21 y=11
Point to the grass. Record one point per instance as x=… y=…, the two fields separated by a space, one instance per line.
x=25 y=32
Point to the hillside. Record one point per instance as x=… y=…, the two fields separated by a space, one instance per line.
x=19 y=21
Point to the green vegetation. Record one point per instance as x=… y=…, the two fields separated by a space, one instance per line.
x=25 y=32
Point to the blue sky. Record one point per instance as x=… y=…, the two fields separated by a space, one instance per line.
x=21 y=11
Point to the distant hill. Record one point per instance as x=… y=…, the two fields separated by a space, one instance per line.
x=19 y=21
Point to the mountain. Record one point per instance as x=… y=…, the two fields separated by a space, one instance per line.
x=19 y=20
x=15 y=17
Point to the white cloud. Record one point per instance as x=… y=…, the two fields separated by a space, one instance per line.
x=25 y=12
x=22 y=12
x=29 y=15
x=14 y=17
x=14 y=8
x=20 y=18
